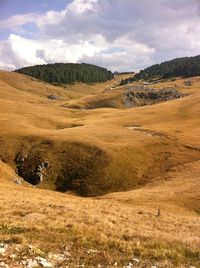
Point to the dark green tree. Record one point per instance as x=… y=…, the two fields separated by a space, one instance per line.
x=66 y=73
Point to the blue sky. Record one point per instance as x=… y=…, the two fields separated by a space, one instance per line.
x=13 y=7
x=122 y=35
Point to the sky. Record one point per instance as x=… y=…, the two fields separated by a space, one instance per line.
x=121 y=35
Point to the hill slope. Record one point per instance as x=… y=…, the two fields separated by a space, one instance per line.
x=67 y=149
x=66 y=73
x=92 y=152
x=180 y=67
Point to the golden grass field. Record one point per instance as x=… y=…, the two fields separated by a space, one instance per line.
x=129 y=174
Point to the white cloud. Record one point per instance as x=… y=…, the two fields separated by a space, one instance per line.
x=58 y=51
x=82 y=6
x=31 y=52
x=118 y=34
x=123 y=54
x=14 y=22
x=25 y=50
x=6 y=66
x=51 y=18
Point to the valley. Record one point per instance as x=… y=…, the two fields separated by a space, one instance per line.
x=88 y=171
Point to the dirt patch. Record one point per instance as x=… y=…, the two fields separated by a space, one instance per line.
x=148 y=132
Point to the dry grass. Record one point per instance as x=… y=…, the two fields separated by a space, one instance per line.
x=120 y=225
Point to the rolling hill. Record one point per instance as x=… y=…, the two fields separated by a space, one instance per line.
x=179 y=67
x=129 y=162
x=67 y=73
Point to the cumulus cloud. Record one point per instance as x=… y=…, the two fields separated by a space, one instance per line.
x=30 y=52
x=118 y=34
x=82 y=6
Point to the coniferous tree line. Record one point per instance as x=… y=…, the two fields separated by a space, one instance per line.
x=126 y=81
x=67 y=73
x=120 y=73
x=184 y=67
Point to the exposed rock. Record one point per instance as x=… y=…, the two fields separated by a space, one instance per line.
x=57 y=257
x=3 y=248
x=39 y=177
x=44 y=263
x=53 y=97
x=13 y=256
x=18 y=248
x=17 y=181
x=92 y=251
x=3 y=265
x=32 y=170
x=130 y=265
x=135 y=260
x=20 y=158
x=148 y=132
x=132 y=127
x=30 y=263
x=40 y=171
x=141 y=95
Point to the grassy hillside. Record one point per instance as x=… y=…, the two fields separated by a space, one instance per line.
x=153 y=151
x=116 y=228
x=38 y=130
x=180 y=67
x=66 y=73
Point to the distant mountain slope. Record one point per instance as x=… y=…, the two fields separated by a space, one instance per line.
x=186 y=67
x=66 y=73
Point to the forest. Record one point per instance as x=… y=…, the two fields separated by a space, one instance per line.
x=67 y=73
x=179 y=67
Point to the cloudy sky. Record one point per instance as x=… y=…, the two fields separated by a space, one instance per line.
x=122 y=35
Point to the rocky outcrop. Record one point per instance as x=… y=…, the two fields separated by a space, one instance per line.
x=53 y=97
x=65 y=166
x=141 y=95
x=31 y=169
